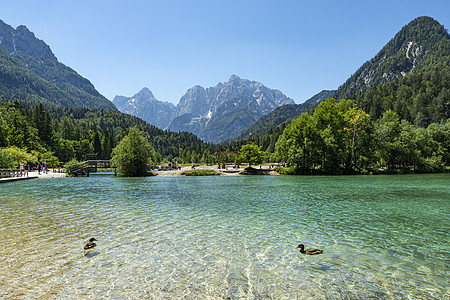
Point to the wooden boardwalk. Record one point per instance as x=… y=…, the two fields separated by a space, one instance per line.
x=11 y=179
x=89 y=166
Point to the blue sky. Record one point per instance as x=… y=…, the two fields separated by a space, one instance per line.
x=298 y=47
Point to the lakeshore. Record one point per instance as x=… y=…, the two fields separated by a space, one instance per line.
x=228 y=171
x=33 y=175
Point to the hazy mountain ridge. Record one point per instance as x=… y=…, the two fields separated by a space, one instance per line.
x=34 y=54
x=145 y=106
x=215 y=114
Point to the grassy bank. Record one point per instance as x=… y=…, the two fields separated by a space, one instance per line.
x=200 y=173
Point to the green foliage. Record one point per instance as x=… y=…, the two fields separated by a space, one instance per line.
x=251 y=154
x=421 y=98
x=298 y=143
x=49 y=159
x=279 y=116
x=20 y=155
x=282 y=115
x=287 y=170
x=132 y=154
x=15 y=128
x=399 y=144
x=340 y=138
x=331 y=138
x=6 y=160
x=200 y=173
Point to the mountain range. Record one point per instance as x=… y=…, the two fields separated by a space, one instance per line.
x=214 y=114
x=238 y=108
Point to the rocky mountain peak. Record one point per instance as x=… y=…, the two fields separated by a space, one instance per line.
x=215 y=114
x=145 y=106
x=234 y=79
x=22 y=40
x=223 y=111
x=145 y=93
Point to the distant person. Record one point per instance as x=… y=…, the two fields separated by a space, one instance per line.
x=193 y=166
x=26 y=169
x=22 y=170
x=39 y=168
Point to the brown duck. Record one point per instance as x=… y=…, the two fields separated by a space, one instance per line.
x=90 y=244
x=309 y=251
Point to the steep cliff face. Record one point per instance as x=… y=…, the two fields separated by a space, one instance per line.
x=222 y=112
x=15 y=41
x=72 y=89
x=418 y=46
x=195 y=101
x=145 y=106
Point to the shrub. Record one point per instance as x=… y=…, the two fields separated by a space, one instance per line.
x=200 y=173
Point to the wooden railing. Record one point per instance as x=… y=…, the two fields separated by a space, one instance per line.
x=5 y=173
x=89 y=166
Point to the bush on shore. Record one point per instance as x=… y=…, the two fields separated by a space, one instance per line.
x=200 y=173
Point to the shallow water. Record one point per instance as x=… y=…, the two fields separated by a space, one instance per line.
x=226 y=237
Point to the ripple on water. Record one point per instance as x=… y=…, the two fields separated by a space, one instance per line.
x=226 y=237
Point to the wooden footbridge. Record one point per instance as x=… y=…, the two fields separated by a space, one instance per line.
x=90 y=166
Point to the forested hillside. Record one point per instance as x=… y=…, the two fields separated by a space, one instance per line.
x=421 y=45
x=283 y=114
x=31 y=73
x=420 y=98
x=68 y=134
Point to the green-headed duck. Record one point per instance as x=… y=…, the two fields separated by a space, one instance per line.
x=90 y=244
x=309 y=251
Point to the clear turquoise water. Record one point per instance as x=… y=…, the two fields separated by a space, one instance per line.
x=385 y=237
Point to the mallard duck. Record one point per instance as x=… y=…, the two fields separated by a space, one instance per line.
x=90 y=244
x=309 y=251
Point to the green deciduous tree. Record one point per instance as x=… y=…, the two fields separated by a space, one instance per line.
x=300 y=142
x=133 y=154
x=251 y=154
x=20 y=155
x=6 y=160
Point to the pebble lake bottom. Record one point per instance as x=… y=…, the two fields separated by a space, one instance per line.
x=385 y=237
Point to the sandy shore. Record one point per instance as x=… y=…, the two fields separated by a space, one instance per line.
x=203 y=167
x=229 y=171
x=50 y=174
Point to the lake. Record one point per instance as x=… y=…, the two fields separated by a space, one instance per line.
x=385 y=237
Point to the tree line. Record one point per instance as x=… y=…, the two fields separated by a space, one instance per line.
x=58 y=135
x=335 y=138
x=341 y=138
